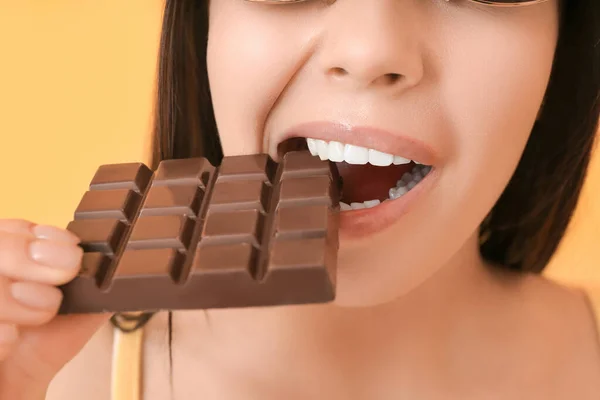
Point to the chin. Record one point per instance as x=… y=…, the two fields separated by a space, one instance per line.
x=359 y=291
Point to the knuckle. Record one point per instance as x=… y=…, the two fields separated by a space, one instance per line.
x=16 y=263
x=37 y=318
x=12 y=251
x=13 y=312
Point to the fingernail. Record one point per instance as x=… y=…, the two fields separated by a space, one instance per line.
x=55 y=254
x=8 y=334
x=54 y=233
x=36 y=295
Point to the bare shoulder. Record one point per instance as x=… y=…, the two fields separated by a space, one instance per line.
x=560 y=337
x=567 y=310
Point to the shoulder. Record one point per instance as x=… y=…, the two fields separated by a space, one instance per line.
x=566 y=309
x=561 y=337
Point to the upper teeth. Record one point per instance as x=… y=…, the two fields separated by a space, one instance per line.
x=338 y=152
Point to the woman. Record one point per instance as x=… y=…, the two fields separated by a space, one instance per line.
x=439 y=292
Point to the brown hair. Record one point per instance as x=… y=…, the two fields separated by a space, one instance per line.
x=527 y=223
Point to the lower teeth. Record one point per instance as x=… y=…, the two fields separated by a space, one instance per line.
x=408 y=181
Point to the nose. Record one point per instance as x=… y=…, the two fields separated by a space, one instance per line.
x=372 y=44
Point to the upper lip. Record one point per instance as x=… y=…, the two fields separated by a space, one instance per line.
x=364 y=136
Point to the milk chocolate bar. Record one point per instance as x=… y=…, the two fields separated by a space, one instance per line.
x=248 y=233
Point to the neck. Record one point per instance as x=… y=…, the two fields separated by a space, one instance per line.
x=322 y=340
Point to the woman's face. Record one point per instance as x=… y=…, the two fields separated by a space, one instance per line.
x=453 y=85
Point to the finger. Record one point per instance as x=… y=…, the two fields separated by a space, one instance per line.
x=28 y=303
x=44 y=261
x=27 y=228
x=19 y=226
x=50 y=232
x=9 y=335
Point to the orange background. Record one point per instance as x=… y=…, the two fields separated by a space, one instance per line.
x=76 y=90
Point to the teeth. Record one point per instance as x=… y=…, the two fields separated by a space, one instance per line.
x=407 y=178
x=338 y=152
x=400 y=160
x=401 y=191
x=380 y=159
x=408 y=181
x=397 y=192
x=356 y=154
x=312 y=146
x=357 y=206
x=403 y=186
x=372 y=203
x=323 y=149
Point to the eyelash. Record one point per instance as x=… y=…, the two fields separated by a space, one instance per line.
x=325 y=2
x=468 y=4
x=289 y=2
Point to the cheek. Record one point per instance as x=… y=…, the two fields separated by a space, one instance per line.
x=492 y=101
x=231 y=87
x=489 y=104
x=251 y=56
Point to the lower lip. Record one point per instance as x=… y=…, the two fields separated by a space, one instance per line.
x=356 y=224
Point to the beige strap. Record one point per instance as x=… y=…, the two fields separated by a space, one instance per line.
x=127 y=365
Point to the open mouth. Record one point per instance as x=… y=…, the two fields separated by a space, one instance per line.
x=369 y=176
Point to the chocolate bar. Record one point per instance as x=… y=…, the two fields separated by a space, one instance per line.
x=248 y=233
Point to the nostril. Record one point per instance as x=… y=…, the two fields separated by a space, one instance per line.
x=392 y=78
x=385 y=79
x=338 y=72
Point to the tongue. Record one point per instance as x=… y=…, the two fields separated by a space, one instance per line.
x=369 y=182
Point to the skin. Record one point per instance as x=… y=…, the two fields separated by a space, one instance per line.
x=408 y=322
x=447 y=99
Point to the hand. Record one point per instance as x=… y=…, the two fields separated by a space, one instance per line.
x=35 y=343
